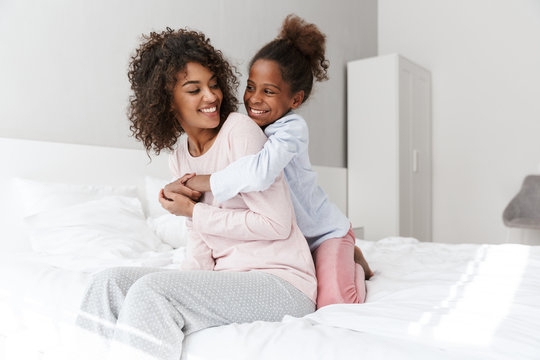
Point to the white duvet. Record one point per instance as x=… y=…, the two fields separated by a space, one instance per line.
x=426 y=301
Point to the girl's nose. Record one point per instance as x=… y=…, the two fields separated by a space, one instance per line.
x=255 y=98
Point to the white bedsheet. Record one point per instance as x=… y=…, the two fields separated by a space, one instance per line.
x=426 y=301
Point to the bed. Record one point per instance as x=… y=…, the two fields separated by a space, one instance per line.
x=425 y=301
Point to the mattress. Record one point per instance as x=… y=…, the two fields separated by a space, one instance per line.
x=425 y=301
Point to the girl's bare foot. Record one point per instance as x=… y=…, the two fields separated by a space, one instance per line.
x=359 y=259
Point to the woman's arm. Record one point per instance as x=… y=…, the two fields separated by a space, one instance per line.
x=198 y=254
x=265 y=215
x=269 y=216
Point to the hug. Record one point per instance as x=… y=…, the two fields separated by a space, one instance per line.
x=264 y=240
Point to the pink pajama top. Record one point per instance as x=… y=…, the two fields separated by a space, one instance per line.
x=251 y=231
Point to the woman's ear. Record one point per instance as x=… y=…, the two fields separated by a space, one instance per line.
x=174 y=110
x=297 y=99
x=173 y=107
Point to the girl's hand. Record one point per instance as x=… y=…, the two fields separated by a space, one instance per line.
x=177 y=204
x=179 y=187
x=186 y=177
x=199 y=183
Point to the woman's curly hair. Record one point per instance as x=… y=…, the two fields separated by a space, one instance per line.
x=153 y=74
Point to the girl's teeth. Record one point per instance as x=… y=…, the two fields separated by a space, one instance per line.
x=209 y=110
x=257 y=111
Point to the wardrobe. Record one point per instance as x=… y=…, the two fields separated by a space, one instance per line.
x=389 y=161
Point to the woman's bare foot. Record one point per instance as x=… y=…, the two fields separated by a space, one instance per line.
x=359 y=259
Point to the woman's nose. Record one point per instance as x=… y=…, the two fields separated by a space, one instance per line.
x=209 y=95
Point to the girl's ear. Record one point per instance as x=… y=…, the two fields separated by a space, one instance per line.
x=297 y=99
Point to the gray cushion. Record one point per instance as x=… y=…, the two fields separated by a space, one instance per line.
x=524 y=209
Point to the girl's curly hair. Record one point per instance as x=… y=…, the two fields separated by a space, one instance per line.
x=152 y=74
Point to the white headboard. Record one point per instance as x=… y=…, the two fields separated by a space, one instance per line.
x=95 y=165
x=66 y=163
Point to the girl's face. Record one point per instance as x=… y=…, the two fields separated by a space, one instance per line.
x=268 y=97
x=197 y=98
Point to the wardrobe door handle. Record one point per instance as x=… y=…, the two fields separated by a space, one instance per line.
x=415 y=161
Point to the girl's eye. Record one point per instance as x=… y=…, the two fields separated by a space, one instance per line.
x=194 y=91
x=250 y=88
x=214 y=86
x=269 y=92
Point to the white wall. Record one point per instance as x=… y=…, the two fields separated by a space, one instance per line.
x=63 y=63
x=484 y=56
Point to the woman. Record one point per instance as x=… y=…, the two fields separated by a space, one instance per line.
x=247 y=259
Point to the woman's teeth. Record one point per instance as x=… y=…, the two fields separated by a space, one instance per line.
x=209 y=110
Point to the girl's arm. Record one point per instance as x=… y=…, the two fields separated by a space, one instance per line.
x=199 y=183
x=286 y=138
x=267 y=215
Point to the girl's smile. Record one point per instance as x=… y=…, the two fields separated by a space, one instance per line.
x=268 y=97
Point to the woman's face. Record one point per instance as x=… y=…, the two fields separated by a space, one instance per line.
x=268 y=97
x=197 y=98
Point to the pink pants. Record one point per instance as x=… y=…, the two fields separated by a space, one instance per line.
x=339 y=279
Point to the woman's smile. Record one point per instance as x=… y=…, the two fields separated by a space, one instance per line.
x=210 y=110
x=197 y=98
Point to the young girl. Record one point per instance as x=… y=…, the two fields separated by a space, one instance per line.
x=280 y=80
x=247 y=259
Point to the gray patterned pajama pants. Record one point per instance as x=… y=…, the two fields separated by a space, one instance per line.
x=147 y=312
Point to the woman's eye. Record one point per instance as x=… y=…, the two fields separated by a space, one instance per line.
x=269 y=92
x=195 y=91
x=214 y=86
x=250 y=88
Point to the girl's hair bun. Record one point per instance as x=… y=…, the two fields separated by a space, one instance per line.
x=309 y=40
x=299 y=52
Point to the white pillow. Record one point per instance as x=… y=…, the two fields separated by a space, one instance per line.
x=171 y=229
x=110 y=227
x=152 y=187
x=37 y=196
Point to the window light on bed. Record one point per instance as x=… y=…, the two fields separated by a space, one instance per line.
x=479 y=302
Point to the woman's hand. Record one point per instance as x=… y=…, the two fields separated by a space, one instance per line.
x=179 y=198
x=177 y=204
x=179 y=187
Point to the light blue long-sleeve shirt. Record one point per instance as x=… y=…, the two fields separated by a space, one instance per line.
x=286 y=150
